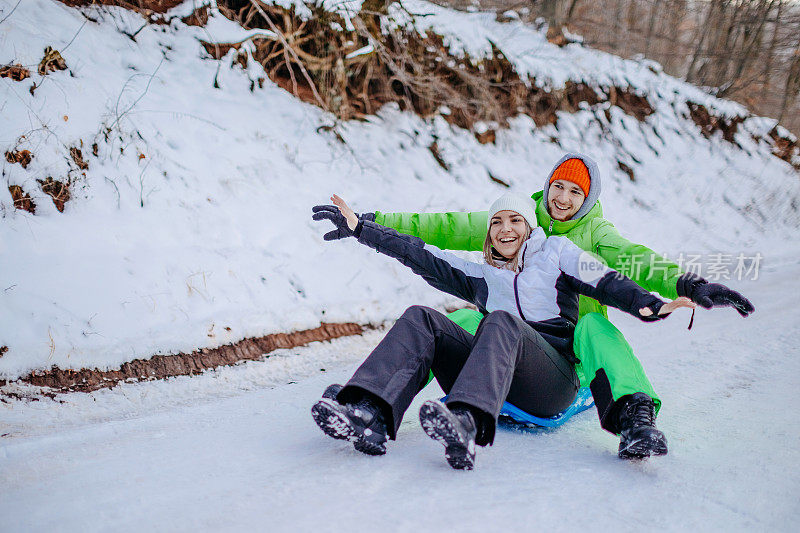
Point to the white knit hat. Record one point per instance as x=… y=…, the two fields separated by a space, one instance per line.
x=524 y=205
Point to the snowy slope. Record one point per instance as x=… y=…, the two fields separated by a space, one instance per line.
x=237 y=448
x=194 y=215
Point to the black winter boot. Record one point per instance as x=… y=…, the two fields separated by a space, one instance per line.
x=639 y=437
x=332 y=391
x=454 y=428
x=361 y=423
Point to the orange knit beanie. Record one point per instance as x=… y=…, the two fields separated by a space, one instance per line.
x=573 y=170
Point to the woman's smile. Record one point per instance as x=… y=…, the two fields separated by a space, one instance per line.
x=507 y=231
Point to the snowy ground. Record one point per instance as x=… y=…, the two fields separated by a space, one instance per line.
x=238 y=449
x=191 y=227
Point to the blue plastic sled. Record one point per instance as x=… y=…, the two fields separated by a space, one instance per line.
x=583 y=402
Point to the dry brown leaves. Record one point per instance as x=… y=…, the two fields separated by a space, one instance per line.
x=51 y=62
x=56 y=190
x=77 y=157
x=23 y=157
x=22 y=200
x=15 y=72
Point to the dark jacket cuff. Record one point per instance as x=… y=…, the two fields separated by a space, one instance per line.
x=655 y=306
x=359 y=227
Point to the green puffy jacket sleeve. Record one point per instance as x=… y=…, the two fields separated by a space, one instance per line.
x=448 y=231
x=647 y=268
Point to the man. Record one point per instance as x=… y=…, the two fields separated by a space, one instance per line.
x=568 y=206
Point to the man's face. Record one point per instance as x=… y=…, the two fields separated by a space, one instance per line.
x=564 y=198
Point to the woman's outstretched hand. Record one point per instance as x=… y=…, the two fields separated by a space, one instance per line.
x=344 y=209
x=341 y=216
x=669 y=307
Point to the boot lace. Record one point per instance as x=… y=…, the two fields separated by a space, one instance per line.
x=641 y=414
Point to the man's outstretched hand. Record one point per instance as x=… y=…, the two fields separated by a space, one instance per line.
x=710 y=295
x=334 y=214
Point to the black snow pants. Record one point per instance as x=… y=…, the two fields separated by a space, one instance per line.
x=506 y=359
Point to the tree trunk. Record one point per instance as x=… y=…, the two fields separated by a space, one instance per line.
x=555 y=13
x=712 y=8
x=673 y=46
x=770 y=55
x=792 y=83
x=743 y=51
x=650 y=25
x=617 y=28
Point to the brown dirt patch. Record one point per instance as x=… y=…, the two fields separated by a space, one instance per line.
x=487 y=137
x=437 y=155
x=498 y=180
x=710 y=124
x=315 y=61
x=163 y=366
x=14 y=72
x=57 y=190
x=23 y=157
x=785 y=148
x=22 y=200
x=627 y=170
x=198 y=17
x=633 y=104
x=145 y=7
x=3 y=350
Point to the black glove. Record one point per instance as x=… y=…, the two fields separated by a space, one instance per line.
x=709 y=295
x=331 y=212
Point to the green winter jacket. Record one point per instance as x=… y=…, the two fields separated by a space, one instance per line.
x=591 y=232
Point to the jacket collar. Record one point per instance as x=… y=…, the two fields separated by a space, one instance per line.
x=534 y=244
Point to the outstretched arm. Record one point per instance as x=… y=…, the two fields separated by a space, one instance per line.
x=448 y=231
x=657 y=273
x=440 y=269
x=594 y=279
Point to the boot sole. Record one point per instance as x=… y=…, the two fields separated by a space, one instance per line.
x=331 y=421
x=437 y=425
x=643 y=448
x=337 y=425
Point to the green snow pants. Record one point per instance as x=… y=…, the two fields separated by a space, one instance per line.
x=608 y=365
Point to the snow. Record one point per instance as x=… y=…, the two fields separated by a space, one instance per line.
x=237 y=448
x=194 y=217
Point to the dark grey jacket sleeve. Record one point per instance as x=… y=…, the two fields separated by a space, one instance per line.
x=592 y=278
x=442 y=270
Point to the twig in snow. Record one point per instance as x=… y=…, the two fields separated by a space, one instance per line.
x=12 y=11
x=141 y=184
x=147 y=88
x=287 y=47
x=112 y=182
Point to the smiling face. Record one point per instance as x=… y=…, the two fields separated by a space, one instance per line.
x=564 y=198
x=507 y=231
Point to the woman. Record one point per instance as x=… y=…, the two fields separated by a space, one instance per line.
x=522 y=352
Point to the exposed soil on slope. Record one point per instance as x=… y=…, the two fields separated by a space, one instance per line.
x=186 y=364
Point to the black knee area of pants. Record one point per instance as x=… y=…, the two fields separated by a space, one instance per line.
x=604 y=401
